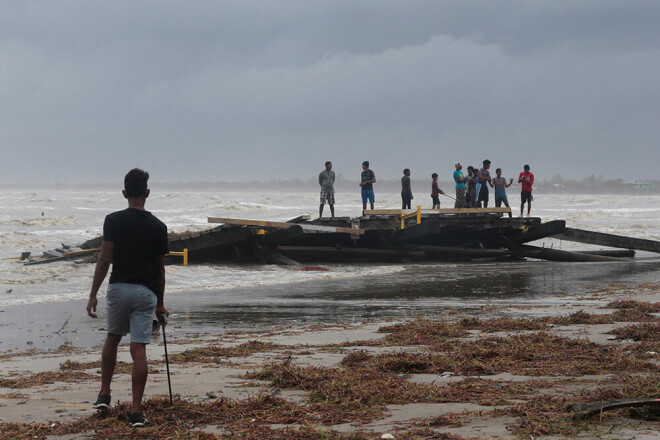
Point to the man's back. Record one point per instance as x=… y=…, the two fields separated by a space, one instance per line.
x=138 y=237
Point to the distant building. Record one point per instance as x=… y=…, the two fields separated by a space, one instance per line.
x=640 y=185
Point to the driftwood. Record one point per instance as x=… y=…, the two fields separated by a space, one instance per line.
x=585 y=410
x=611 y=240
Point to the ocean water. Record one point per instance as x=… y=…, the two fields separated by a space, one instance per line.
x=38 y=220
x=35 y=301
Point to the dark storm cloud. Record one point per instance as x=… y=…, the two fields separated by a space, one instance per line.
x=243 y=90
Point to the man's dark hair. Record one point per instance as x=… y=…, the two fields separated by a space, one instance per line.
x=470 y=167
x=434 y=175
x=366 y=163
x=526 y=167
x=486 y=162
x=499 y=169
x=327 y=163
x=135 y=183
x=406 y=170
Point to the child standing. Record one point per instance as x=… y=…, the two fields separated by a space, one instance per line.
x=500 y=185
x=435 y=191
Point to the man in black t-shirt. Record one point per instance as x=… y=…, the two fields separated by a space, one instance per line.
x=135 y=242
x=367 y=179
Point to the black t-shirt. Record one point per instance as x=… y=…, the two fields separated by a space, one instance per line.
x=139 y=238
x=367 y=175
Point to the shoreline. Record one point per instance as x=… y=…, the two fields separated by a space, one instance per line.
x=243 y=367
x=413 y=290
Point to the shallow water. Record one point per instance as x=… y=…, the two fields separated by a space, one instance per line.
x=36 y=300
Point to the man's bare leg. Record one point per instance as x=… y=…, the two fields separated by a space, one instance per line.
x=332 y=210
x=108 y=361
x=140 y=372
x=321 y=210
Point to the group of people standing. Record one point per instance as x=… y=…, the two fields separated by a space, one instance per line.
x=471 y=189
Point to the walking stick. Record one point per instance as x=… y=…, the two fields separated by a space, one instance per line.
x=167 y=362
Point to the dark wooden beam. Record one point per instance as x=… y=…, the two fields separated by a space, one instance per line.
x=611 y=240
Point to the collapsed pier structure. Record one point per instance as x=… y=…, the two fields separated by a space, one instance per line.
x=398 y=236
x=385 y=235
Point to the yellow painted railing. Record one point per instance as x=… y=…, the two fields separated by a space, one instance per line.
x=405 y=216
x=183 y=254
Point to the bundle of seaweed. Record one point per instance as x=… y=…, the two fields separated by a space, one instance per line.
x=420 y=332
x=646 y=307
x=540 y=354
x=249 y=418
x=44 y=378
x=363 y=387
x=546 y=414
x=213 y=353
x=120 y=367
x=647 y=337
x=638 y=332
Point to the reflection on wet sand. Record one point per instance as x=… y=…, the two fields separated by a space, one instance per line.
x=419 y=289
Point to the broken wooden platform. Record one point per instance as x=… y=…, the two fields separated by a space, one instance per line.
x=394 y=235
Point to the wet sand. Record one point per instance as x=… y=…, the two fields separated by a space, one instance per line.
x=418 y=289
x=319 y=346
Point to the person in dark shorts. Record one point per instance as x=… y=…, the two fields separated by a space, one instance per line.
x=367 y=179
x=135 y=242
x=471 y=180
x=483 y=179
x=527 y=180
x=327 y=182
x=500 y=185
x=406 y=190
x=435 y=191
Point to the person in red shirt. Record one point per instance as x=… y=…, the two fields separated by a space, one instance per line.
x=527 y=180
x=435 y=191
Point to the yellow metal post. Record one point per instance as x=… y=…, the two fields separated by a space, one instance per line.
x=419 y=214
x=403 y=218
x=183 y=254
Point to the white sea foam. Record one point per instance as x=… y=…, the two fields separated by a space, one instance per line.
x=75 y=216
x=42 y=221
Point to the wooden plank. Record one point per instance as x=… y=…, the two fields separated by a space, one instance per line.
x=458 y=251
x=439 y=211
x=585 y=410
x=537 y=232
x=352 y=251
x=270 y=224
x=216 y=238
x=619 y=253
x=611 y=240
x=559 y=255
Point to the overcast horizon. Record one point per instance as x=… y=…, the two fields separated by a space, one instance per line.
x=242 y=90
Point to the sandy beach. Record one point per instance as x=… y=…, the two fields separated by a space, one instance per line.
x=504 y=371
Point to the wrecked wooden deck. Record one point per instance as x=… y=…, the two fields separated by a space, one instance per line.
x=395 y=236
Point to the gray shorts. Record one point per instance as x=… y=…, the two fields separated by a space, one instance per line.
x=130 y=309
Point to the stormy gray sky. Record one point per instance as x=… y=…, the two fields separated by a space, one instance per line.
x=239 y=90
